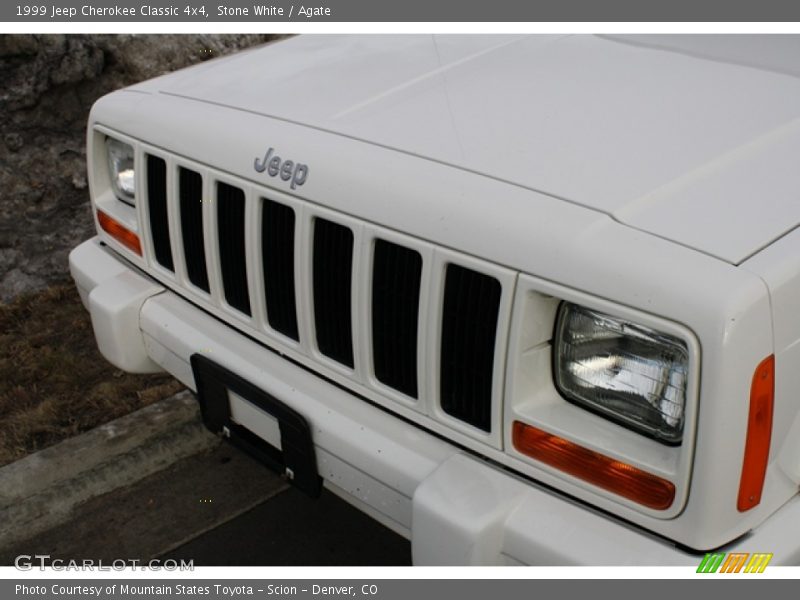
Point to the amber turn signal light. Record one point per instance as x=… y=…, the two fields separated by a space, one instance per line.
x=119 y=232
x=600 y=470
x=759 y=433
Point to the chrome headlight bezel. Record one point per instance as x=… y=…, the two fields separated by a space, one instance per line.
x=653 y=358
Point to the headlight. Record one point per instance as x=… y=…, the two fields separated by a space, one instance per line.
x=627 y=372
x=120 y=169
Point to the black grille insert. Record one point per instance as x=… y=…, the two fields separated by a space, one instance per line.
x=277 y=252
x=191 y=201
x=232 y=258
x=333 y=273
x=469 y=328
x=157 y=205
x=395 y=313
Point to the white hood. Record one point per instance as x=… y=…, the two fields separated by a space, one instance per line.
x=695 y=139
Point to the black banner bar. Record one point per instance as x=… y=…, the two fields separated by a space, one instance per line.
x=393 y=589
x=155 y=11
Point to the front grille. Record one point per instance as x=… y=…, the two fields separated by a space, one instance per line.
x=277 y=256
x=333 y=270
x=233 y=263
x=469 y=329
x=396 y=276
x=308 y=275
x=191 y=201
x=157 y=206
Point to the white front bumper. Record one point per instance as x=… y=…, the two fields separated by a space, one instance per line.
x=455 y=507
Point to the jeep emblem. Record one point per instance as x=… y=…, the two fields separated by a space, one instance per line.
x=287 y=169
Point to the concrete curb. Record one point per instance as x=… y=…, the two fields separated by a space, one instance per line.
x=41 y=490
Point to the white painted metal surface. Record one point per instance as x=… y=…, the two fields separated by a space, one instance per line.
x=669 y=140
x=114 y=296
x=456 y=508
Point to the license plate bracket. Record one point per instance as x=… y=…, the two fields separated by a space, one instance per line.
x=296 y=458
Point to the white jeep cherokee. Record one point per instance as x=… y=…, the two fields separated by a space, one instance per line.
x=529 y=299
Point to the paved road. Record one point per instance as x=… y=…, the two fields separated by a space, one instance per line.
x=293 y=529
x=219 y=508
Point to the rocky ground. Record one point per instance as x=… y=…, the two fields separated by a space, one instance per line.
x=49 y=83
x=54 y=383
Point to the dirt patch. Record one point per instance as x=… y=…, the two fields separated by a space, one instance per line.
x=54 y=383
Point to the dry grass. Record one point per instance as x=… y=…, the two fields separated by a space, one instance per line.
x=54 y=383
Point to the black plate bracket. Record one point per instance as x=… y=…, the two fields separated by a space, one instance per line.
x=296 y=460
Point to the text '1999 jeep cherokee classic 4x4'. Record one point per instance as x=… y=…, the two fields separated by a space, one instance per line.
x=528 y=299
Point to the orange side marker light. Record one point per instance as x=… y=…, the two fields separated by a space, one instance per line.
x=119 y=232
x=612 y=475
x=759 y=434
